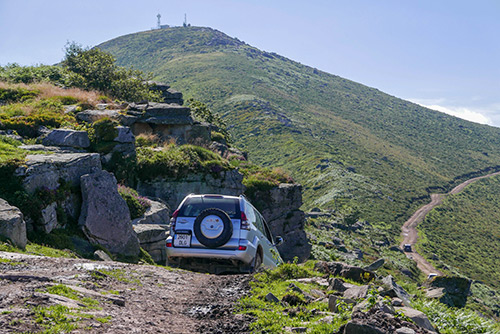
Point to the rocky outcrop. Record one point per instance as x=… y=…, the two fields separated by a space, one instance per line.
x=174 y=191
x=166 y=121
x=105 y=217
x=67 y=137
x=450 y=290
x=168 y=94
x=90 y=116
x=48 y=170
x=152 y=239
x=280 y=207
x=12 y=225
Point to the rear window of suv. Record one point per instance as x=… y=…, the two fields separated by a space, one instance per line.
x=195 y=205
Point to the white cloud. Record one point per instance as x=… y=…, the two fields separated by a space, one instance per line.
x=469 y=114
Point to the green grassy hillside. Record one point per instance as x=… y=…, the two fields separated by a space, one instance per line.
x=342 y=140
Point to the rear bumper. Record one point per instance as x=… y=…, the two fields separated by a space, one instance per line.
x=246 y=256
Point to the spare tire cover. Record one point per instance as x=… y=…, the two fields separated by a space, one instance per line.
x=213 y=227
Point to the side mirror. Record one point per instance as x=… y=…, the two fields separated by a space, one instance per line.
x=278 y=241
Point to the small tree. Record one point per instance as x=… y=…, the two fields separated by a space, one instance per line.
x=94 y=69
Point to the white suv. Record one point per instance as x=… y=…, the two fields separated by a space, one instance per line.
x=213 y=230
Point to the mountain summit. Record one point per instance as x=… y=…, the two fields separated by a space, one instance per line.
x=345 y=142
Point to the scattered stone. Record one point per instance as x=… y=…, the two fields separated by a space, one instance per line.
x=327 y=320
x=12 y=225
x=333 y=302
x=356 y=292
x=298 y=329
x=105 y=217
x=292 y=300
x=272 y=298
x=357 y=274
x=375 y=265
x=356 y=328
x=405 y=330
x=67 y=137
x=397 y=302
x=317 y=293
x=101 y=255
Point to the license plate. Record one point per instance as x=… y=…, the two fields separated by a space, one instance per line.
x=182 y=240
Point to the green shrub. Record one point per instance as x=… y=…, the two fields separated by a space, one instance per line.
x=10 y=95
x=136 y=204
x=177 y=161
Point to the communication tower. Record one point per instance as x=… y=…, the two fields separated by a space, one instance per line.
x=159 y=22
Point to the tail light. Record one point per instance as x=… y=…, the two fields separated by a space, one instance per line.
x=240 y=248
x=173 y=219
x=245 y=225
x=169 y=244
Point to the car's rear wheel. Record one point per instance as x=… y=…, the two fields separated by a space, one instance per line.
x=257 y=262
x=213 y=227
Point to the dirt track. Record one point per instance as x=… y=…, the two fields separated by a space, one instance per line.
x=138 y=299
x=409 y=228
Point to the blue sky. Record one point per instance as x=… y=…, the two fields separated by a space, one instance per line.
x=439 y=53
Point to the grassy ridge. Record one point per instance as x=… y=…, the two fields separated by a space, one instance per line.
x=343 y=141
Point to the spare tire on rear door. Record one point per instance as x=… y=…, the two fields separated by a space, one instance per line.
x=213 y=227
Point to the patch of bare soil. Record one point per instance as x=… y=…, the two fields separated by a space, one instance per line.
x=135 y=298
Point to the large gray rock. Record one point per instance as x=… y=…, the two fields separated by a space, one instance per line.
x=158 y=213
x=356 y=292
x=450 y=290
x=12 y=225
x=67 y=137
x=168 y=114
x=418 y=317
x=280 y=207
x=105 y=217
x=174 y=191
x=375 y=265
x=168 y=94
x=152 y=240
x=48 y=170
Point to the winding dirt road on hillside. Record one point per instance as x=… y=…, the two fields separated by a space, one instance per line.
x=409 y=228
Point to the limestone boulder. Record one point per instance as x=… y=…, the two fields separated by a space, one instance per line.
x=47 y=170
x=164 y=113
x=67 y=137
x=125 y=135
x=12 y=225
x=105 y=217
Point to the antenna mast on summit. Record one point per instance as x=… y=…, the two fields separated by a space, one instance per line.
x=185 y=20
x=159 y=22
